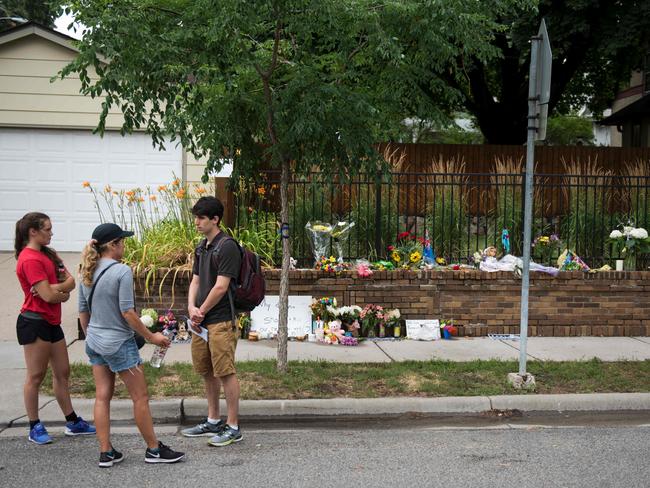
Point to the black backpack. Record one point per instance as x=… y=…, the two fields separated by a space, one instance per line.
x=247 y=292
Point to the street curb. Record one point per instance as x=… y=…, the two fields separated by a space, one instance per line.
x=183 y=410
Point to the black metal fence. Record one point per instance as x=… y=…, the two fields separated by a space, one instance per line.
x=462 y=212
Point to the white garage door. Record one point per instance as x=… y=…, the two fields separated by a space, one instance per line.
x=43 y=170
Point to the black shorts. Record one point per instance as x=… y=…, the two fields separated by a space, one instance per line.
x=28 y=329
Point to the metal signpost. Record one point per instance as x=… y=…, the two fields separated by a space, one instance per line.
x=539 y=90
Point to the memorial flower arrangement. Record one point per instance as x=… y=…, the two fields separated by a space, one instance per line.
x=319 y=308
x=407 y=251
x=149 y=318
x=629 y=243
x=546 y=246
x=331 y=265
x=372 y=317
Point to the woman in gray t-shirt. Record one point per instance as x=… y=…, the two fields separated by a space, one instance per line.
x=108 y=318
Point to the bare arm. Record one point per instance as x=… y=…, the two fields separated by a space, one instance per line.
x=49 y=293
x=67 y=285
x=196 y=317
x=216 y=294
x=84 y=319
x=136 y=324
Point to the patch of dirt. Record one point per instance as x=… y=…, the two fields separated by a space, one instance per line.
x=506 y=414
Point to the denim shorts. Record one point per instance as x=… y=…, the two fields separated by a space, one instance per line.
x=126 y=357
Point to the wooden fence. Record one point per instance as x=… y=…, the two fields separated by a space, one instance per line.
x=481 y=158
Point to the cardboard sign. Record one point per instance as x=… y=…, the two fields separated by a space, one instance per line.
x=423 y=330
x=264 y=318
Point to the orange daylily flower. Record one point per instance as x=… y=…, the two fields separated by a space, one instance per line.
x=85 y=184
x=180 y=194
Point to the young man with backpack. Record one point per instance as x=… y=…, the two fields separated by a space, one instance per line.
x=217 y=263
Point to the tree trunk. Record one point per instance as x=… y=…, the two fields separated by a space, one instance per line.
x=284 y=275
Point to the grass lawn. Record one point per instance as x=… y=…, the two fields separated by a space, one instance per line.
x=313 y=379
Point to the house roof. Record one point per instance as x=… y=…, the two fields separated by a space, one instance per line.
x=34 y=28
x=633 y=111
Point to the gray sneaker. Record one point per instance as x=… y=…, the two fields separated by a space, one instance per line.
x=227 y=436
x=204 y=429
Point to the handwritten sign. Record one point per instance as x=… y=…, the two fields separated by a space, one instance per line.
x=423 y=330
x=264 y=318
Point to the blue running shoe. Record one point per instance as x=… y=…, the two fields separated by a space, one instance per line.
x=80 y=427
x=38 y=435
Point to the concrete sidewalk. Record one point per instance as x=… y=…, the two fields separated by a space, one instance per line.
x=458 y=349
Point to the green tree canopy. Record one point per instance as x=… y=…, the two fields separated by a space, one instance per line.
x=301 y=84
x=595 y=43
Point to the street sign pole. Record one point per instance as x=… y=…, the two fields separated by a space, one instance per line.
x=538 y=96
x=528 y=204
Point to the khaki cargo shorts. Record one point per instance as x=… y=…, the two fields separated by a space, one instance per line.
x=217 y=355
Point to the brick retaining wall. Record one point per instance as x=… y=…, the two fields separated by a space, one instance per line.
x=571 y=304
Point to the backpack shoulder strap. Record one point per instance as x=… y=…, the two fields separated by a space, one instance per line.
x=215 y=252
x=222 y=241
x=89 y=300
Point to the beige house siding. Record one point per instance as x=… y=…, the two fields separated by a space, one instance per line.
x=194 y=171
x=636 y=80
x=29 y=99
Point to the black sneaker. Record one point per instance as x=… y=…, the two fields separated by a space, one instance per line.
x=108 y=459
x=163 y=454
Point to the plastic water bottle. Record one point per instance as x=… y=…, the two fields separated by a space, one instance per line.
x=159 y=352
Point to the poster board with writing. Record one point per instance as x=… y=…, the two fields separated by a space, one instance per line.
x=264 y=318
x=423 y=330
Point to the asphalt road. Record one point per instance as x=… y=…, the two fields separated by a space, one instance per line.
x=491 y=455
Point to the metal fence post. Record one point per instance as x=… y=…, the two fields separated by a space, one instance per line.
x=378 y=216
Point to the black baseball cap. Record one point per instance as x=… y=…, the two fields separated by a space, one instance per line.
x=108 y=232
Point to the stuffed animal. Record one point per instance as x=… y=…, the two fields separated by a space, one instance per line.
x=183 y=334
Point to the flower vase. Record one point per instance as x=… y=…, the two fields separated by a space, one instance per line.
x=382 y=330
x=629 y=263
x=371 y=332
x=397 y=331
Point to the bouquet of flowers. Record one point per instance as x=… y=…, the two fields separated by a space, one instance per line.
x=350 y=316
x=168 y=322
x=545 y=246
x=407 y=251
x=570 y=261
x=383 y=265
x=320 y=308
x=322 y=232
x=331 y=265
x=630 y=242
x=372 y=316
x=149 y=318
x=347 y=340
x=393 y=319
x=339 y=232
x=363 y=269
x=320 y=238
